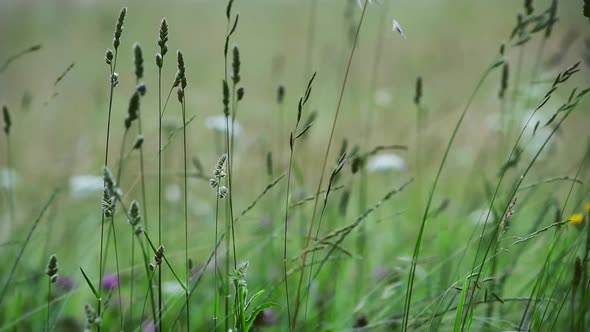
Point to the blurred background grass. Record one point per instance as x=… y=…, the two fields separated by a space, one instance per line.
x=59 y=130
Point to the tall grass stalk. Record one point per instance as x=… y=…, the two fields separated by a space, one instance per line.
x=295 y=134
x=227 y=104
x=52 y=275
x=162 y=43
x=182 y=81
x=111 y=60
x=411 y=276
x=139 y=71
x=324 y=164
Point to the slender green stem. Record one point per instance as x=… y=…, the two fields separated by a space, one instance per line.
x=131 y=301
x=183 y=105
x=324 y=164
x=286 y=223
x=113 y=67
x=408 y=300
x=216 y=269
x=48 y=304
x=118 y=271
x=159 y=320
x=10 y=190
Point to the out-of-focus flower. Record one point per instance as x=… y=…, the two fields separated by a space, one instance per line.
x=479 y=216
x=383 y=97
x=218 y=123
x=265 y=318
x=65 y=284
x=8 y=178
x=386 y=162
x=576 y=219
x=173 y=193
x=172 y=288
x=587 y=207
x=110 y=281
x=148 y=326
x=82 y=186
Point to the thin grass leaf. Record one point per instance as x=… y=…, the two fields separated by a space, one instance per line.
x=89 y=283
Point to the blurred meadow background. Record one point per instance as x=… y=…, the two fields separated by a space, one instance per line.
x=500 y=244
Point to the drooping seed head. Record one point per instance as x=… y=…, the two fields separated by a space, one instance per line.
x=52 y=268
x=138 y=61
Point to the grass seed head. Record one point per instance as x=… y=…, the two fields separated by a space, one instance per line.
x=240 y=93
x=108 y=56
x=52 y=268
x=138 y=61
x=163 y=38
x=280 y=93
x=119 y=28
x=236 y=64
x=6 y=120
x=134 y=213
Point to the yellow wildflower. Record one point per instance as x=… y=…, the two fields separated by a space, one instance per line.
x=576 y=219
x=587 y=207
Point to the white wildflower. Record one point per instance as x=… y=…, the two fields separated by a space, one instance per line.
x=479 y=216
x=173 y=193
x=218 y=123
x=82 y=186
x=172 y=288
x=383 y=97
x=386 y=162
